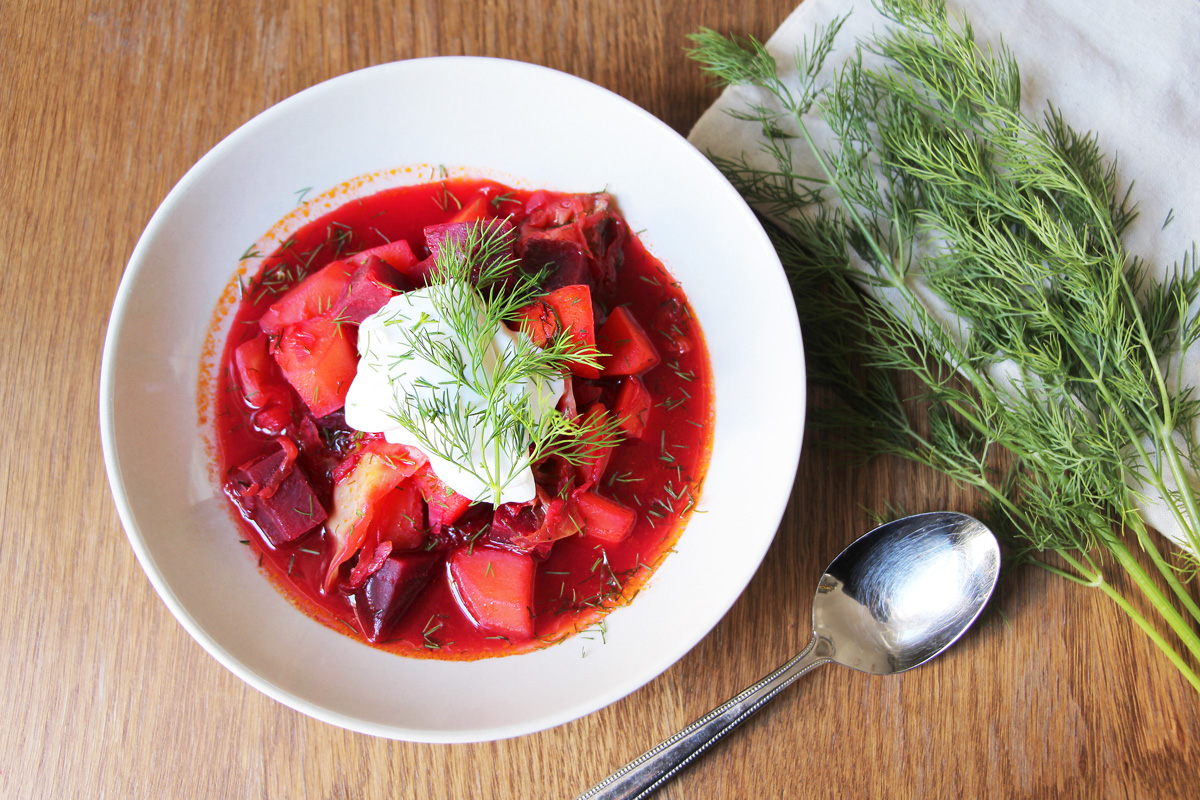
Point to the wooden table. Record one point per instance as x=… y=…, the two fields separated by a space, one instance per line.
x=102 y=694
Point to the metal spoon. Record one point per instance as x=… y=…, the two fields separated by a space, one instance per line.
x=891 y=601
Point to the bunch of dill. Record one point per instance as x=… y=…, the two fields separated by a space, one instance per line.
x=1053 y=395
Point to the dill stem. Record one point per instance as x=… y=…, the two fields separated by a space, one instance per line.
x=1094 y=578
x=1091 y=577
x=1089 y=580
x=837 y=185
x=1161 y=603
x=1144 y=340
x=1135 y=441
x=1168 y=572
x=1166 y=442
x=1163 y=645
x=1183 y=483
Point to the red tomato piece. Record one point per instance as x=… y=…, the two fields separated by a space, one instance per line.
x=274 y=419
x=495 y=589
x=552 y=210
x=526 y=526
x=370 y=559
x=628 y=349
x=673 y=323
x=459 y=234
x=569 y=311
x=605 y=519
x=262 y=386
x=319 y=361
x=312 y=297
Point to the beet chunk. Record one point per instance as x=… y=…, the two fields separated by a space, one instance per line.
x=436 y=236
x=456 y=234
x=565 y=261
x=386 y=595
x=282 y=509
x=371 y=286
x=585 y=220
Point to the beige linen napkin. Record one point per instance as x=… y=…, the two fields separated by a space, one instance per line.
x=1129 y=71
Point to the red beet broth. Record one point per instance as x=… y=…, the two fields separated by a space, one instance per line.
x=580 y=578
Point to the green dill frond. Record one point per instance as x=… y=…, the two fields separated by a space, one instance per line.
x=477 y=286
x=732 y=60
x=1054 y=393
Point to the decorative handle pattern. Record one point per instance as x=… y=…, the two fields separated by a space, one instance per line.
x=646 y=773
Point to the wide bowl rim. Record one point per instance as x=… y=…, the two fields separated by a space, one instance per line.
x=791 y=435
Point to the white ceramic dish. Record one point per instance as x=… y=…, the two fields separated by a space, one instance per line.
x=523 y=124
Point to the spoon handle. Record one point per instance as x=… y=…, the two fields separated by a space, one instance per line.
x=646 y=773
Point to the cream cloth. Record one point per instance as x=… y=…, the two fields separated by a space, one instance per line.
x=1125 y=70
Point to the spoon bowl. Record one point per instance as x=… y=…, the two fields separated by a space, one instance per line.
x=892 y=600
x=904 y=592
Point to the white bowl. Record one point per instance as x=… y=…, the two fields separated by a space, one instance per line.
x=519 y=123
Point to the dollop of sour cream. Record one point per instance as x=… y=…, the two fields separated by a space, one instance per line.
x=394 y=374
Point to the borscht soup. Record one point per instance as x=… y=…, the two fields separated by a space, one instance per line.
x=461 y=420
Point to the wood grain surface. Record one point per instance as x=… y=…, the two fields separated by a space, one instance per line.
x=104 y=105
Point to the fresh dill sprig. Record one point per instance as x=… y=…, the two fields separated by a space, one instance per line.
x=1050 y=390
x=477 y=286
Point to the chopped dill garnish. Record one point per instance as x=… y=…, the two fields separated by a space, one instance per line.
x=503 y=198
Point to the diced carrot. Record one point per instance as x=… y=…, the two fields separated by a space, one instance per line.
x=398 y=255
x=605 y=519
x=628 y=349
x=495 y=589
x=473 y=210
x=445 y=505
x=595 y=457
x=567 y=310
x=632 y=407
x=319 y=361
x=312 y=297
